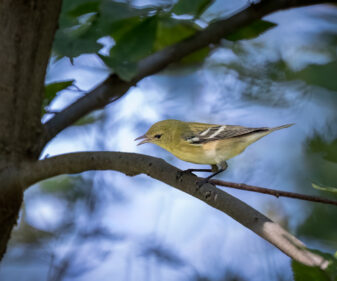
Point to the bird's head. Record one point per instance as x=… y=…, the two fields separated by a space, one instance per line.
x=160 y=133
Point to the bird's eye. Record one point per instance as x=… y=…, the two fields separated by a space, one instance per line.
x=157 y=136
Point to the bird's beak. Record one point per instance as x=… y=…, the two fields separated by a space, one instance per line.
x=146 y=139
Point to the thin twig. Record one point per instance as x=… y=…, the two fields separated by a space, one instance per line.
x=274 y=192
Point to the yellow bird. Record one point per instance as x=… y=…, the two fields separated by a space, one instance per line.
x=202 y=143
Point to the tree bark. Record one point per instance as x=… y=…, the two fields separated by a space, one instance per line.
x=26 y=36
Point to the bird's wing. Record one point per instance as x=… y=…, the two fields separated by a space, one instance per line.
x=205 y=134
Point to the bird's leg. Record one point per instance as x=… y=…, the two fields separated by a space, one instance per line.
x=216 y=170
x=196 y=170
x=188 y=171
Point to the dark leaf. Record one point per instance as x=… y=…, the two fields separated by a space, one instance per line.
x=115 y=19
x=328 y=150
x=137 y=42
x=251 y=31
x=114 y=11
x=191 y=7
x=53 y=88
x=125 y=69
x=58 y=185
x=72 y=42
x=66 y=45
x=119 y=28
x=71 y=188
x=171 y=31
x=69 y=6
x=71 y=9
x=320 y=224
x=83 y=22
x=307 y=273
x=196 y=57
x=132 y=46
x=320 y=75
x=84 y=8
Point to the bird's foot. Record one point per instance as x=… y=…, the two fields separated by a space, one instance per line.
x=206 y=180
x=203 y=181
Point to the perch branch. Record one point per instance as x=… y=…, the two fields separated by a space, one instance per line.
x=133 y=164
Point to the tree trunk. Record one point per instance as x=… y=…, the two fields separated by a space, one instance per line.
x=26 y=36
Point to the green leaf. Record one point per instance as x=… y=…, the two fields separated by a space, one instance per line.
x=84 y=8
x=53 y=88
x=137 y=42
x=251 y=31
x=126 y=70
x=65 y=45
x=132 y=46
x=320 y=75
x=71 y=9
x=307 y=273
x=83 y=22
x=117 y=18
x=69 y=6
x=119 y=28
x=114 y=11
x=328 y=150
x=171 y=31
x=191 y=7
x=324 y=188
x=320 y=224
x=82 y=39
x=58 y=185
x=196 y=57
x=68 y=187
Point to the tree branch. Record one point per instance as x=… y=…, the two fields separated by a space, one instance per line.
x=133 y=164
x=274 y=192
x=113 y=88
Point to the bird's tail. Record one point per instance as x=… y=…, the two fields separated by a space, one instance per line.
x=281 y=127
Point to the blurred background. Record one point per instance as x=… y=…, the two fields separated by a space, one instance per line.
x=108 y=226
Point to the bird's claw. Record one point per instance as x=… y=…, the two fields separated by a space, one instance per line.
x=200 y=183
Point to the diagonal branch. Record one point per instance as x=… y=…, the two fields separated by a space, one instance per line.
x=133 y=164
x=113 y=87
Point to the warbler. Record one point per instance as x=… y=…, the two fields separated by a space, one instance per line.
x=202 y=143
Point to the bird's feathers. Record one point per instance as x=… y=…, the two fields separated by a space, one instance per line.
x=219 y=132
x=281 y=127
x=203 y=133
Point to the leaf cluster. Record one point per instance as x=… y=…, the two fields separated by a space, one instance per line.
x=137 y=32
